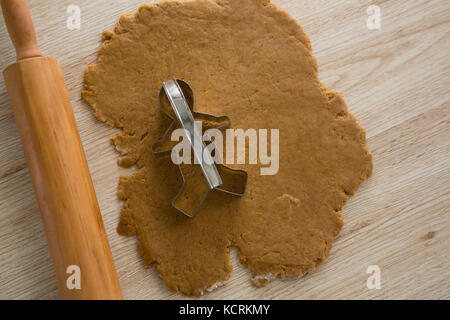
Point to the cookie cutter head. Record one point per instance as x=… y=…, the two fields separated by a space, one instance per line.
x=176 y=100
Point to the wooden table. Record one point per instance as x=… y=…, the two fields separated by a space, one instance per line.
x=396 y=80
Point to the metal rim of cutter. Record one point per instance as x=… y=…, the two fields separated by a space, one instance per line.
x=173 y=86
x=186 y=119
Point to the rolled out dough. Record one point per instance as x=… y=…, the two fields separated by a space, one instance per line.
x=249 y=60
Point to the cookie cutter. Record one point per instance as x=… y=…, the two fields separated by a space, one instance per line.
x=180 y=97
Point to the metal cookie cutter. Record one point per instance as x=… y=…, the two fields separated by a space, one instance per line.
x=176 y=100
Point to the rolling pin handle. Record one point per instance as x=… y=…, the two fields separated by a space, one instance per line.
x=20 y=28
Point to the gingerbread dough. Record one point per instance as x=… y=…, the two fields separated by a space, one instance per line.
x=251 y=61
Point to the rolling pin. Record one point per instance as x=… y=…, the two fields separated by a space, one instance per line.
x=57 y=164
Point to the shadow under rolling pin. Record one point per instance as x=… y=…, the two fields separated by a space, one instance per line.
x=57 y=164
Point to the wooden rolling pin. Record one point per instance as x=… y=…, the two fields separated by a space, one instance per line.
x=57 y=165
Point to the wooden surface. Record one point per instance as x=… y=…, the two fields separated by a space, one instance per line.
x=395 y=80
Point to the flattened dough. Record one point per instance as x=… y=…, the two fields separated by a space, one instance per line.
x=249 y=60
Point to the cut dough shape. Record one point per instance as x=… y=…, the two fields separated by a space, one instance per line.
x=250 y=60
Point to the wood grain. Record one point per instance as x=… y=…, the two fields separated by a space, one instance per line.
x=396 y=80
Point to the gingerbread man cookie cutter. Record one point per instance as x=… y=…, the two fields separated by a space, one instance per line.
x=180 y=96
